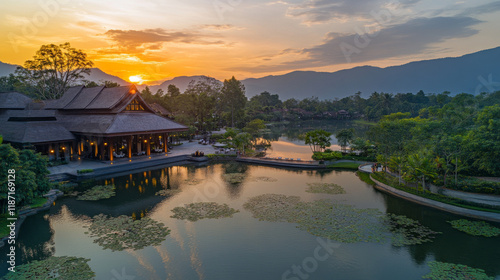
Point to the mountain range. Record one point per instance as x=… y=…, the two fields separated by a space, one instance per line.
x=471 y=73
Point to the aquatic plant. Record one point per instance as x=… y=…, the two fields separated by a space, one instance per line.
x=328 y=188
x=339 y=222
x=234 y=178
x=168 y=192
x=203 y=210
x=451 y=271
x=98 y=192
x=193 y=181
x=477 y=228
x=123 y=232
x=68 y=268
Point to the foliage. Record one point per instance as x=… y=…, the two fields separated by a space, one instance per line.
x=344 y=136
x=233 y=98
x=451 y=271
x=480 y=228
x=122 y=233
x=68 y=268
x=203 y=210
x=328 y=188
x=98 y=193
x=470 y=184
x=391 y=181
x=30 y=174
x=348 y=225
x=318 y=140
x=211 y=156
x=335 y=155
x=53 y=69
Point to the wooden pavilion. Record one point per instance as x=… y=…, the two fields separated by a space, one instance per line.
x=98 y=122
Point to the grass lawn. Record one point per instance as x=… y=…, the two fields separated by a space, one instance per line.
x=345 y=165
x=365 y=177
x=38 y=202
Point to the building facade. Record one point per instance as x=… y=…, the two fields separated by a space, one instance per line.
x=97 y=123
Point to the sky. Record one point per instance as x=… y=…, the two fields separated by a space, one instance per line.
x=160 y=39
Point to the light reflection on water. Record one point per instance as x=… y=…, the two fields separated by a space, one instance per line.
x=243 y=247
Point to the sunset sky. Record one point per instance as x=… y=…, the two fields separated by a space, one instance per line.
x=161 y=39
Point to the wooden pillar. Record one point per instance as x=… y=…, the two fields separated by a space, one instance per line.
x=111 y=145
x=101 y=150
x=148 y=146
x=57 y=151
x=66 y=151
x=51 y=154
x=165 y=144
x=129 y=146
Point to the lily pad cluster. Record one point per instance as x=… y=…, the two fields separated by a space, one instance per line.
x=123 y=232
x=407 y=231
x=236 y=178
x=168 y=192
x=98 y=192
x=193 y=181
x=339 y=222
x=451 y=271
x=68 y=268
x=328 y=188
x=475 y=228
x=203 y=210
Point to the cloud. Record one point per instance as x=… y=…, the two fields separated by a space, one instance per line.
x=412 y=37
x=482 y=9
x=221 y=27
x=133 y=39
x=319 y=11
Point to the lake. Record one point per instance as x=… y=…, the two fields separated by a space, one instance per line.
x=242 y=247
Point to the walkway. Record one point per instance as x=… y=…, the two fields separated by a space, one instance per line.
x=187 y=148
x=489 y=216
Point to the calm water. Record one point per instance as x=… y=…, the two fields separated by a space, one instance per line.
x=243 y=247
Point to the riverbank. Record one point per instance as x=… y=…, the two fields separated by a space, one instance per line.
x=483 y=215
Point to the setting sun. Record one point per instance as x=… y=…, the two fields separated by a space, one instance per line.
x=137 y=79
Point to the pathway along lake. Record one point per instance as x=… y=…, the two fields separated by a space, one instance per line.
x=241 y=246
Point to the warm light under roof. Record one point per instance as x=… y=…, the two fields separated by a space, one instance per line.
x=137 y=79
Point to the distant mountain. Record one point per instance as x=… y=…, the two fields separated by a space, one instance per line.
x=97 y=75
x=6 y=69
x=471 y=73
x=478 y=71
x=181 y=82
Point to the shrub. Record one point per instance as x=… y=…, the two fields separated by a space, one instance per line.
x=474 y=185
x=327 y=155
x=82 y=171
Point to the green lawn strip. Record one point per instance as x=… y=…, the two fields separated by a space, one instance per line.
x=365 y=177
x=38 y=202
x=345 y=165
x=436 y=197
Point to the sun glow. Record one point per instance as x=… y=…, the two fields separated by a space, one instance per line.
x=137 y=79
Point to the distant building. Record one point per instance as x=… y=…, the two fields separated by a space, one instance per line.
x=96 y=122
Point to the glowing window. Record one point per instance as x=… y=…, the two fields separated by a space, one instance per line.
x=134 y=106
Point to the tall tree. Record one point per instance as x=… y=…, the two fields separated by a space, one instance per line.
x=53 y=69
x=344 y=136
x=318 y=140
x=233 y=97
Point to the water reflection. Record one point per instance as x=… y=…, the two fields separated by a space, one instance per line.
x=243 y=247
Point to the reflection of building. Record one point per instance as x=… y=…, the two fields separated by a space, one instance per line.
x=96 y=122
